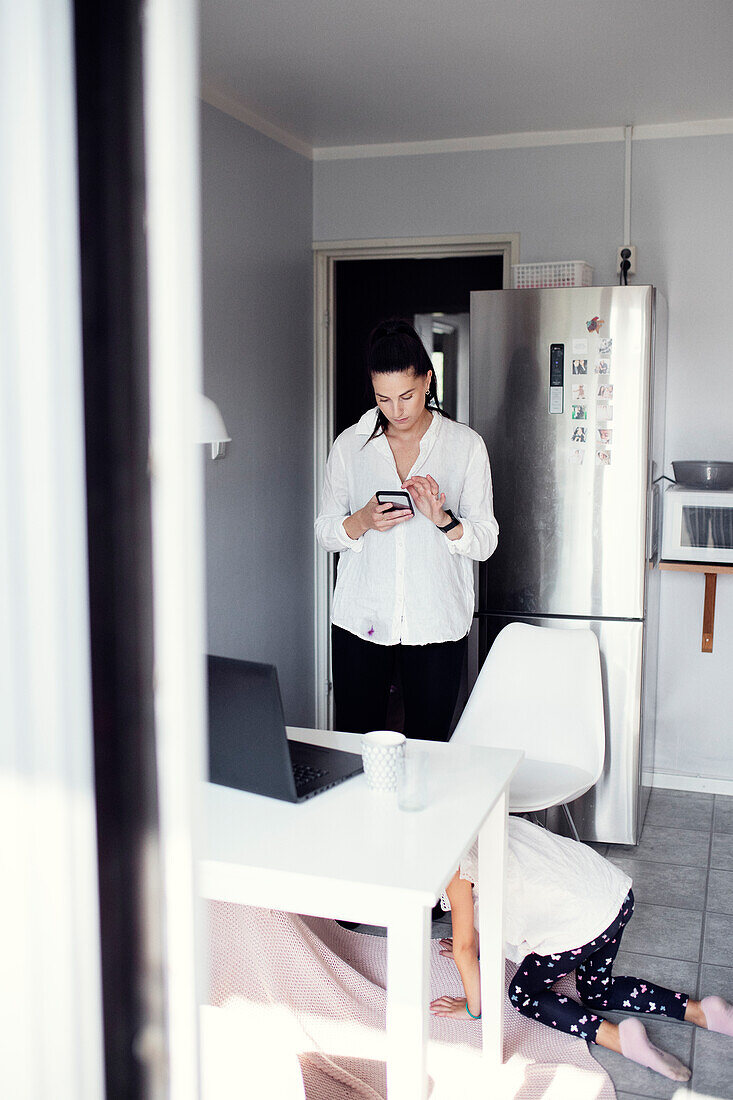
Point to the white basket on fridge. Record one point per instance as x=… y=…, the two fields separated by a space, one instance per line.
x=561 y=273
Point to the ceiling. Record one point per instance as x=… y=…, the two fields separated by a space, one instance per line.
x=356 y=72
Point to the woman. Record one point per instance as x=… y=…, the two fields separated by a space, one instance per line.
x=405 y=581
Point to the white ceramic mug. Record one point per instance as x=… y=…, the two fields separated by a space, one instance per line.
x=382 y=752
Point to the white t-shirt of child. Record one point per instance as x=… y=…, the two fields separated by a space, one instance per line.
x=559 y=894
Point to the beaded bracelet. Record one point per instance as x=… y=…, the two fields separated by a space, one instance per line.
x=471 y=1013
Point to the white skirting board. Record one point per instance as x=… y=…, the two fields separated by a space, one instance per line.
x=674 y=782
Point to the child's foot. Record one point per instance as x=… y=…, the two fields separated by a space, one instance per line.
x=718 y=1015
x=636 y=1045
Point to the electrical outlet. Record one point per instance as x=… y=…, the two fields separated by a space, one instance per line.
x=632 y=257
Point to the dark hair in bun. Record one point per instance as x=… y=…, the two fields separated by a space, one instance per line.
x=393 y=346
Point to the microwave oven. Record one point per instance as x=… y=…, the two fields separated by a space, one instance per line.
x=697 y=525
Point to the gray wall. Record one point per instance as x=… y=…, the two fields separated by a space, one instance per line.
x=567 y=204
x=565 y=201
x=257 y=305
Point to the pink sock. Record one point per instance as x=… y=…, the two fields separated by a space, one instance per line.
x=718 y=1014
x=636 y=1045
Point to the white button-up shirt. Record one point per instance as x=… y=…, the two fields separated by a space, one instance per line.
x=410 y=584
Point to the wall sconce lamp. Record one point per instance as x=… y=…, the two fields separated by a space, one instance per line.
x=211 y=428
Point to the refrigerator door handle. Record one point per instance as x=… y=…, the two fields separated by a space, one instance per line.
x=654 y=524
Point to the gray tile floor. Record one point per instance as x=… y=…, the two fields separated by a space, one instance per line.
x=681 y=935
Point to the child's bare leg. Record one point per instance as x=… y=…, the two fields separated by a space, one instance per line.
x=608 y=1036
x=630 y=1039
x=694 y=1013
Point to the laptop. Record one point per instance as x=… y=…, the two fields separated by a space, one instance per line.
x=248 y=745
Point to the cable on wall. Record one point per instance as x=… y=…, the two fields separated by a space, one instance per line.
x=625 y=252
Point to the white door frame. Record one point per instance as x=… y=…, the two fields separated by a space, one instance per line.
x=325 y=255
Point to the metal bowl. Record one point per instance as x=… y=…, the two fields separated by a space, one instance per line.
x=704 y=475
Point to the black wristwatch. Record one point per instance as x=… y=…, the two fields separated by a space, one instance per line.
x=449 y=526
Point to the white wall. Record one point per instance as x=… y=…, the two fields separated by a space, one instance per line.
x=682 y=196
x=258 y=367
x=567 y=203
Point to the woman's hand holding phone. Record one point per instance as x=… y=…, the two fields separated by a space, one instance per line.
x=381 y=517
x=374 y=517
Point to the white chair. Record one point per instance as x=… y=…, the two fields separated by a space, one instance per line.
x=540 y=690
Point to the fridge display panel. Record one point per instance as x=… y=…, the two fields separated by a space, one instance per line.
x=557 y=379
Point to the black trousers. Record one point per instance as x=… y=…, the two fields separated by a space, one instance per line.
x=363 y=673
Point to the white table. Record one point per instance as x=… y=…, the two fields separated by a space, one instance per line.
x=351 y=853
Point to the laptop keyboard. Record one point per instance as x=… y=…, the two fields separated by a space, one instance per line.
x=306 y=773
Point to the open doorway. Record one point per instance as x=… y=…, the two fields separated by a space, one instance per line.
x=424 y=292
x=357 y=285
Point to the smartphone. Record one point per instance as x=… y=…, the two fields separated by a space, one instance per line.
x=398 y=498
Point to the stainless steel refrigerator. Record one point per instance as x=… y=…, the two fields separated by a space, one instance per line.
x=567 y=389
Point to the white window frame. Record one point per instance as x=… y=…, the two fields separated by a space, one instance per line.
x=49 y=920
x=52 y=1020
x=171 y=117
x=325 y=256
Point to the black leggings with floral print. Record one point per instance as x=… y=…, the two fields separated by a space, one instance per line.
x=531 y=994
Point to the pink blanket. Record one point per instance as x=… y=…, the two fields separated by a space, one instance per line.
x=323 y=990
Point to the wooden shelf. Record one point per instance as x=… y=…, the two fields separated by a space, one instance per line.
x=712 y=572
x=695 y=567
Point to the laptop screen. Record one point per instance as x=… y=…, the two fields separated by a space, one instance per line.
x=248 y=746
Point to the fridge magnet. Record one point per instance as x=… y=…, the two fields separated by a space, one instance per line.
x=580 y=347
x=604 y=411
x=603 y=366
x=579 y=412
x=603 y=458
x=579 y=434
x=605 y=393
x=605 y=347
x=576 y=456
x=604 y=436
x=579 y=393
x=594 y=325
x=580 y=366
